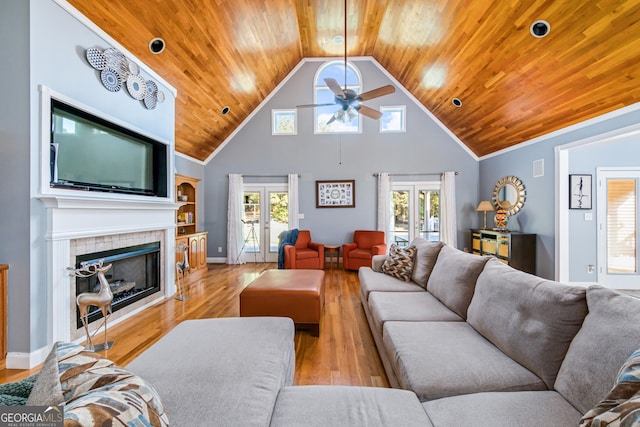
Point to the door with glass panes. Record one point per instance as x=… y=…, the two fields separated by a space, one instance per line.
x=265 y=216
x=618 y=228
x=416 y=212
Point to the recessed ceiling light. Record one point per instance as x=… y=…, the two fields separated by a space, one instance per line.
x=225 y=110
x=157 y=45
x=540 y=29
x=456 y=102
x=337 y=39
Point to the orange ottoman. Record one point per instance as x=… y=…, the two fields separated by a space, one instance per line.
x=298 y=294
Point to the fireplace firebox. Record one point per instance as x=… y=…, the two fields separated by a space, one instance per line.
x=135 y=274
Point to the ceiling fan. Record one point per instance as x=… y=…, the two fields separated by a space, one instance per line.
x=347 y=99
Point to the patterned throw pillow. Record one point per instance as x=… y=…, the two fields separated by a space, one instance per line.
x=96 y=391
x=399 y=262
x=621 y=407
x=127 y=402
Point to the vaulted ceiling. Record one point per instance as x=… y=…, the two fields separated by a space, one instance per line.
x=513 y=86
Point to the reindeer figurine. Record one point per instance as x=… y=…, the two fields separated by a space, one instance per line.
x=102 y=299
x=181 y=267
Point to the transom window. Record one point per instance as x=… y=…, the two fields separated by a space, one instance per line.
x=345 y=121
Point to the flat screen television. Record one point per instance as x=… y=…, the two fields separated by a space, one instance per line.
x=90 y=153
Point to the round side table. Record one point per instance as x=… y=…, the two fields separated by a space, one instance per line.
x=332 y=250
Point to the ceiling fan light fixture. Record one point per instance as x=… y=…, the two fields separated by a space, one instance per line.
x=540 y=29
x=337 y=39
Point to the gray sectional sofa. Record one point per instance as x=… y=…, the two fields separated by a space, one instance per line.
x=239 y=372
x=481 y=343
x=467 y=342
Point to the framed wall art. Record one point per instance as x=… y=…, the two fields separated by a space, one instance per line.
x=579 y=191
x=336 y=194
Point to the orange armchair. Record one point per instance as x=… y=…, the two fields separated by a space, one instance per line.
x=305 y=253
x=366 y=244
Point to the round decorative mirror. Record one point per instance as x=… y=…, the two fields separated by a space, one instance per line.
x=509 y=194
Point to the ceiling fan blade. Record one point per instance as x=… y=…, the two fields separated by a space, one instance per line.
x=334 y=86
x=314 y=105
x=369 y=112
x=384 y=90
x=332 y=119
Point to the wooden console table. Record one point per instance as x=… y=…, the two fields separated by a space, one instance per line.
x=3 y=315
x=511 y=247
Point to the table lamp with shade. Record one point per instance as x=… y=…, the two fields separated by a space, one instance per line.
x=484 y=206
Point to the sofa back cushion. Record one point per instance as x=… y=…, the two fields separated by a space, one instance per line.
x=426 y=256
x=530 y=319
x=609 y=334
x=453 y=278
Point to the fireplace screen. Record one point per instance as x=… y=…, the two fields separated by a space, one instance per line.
x=135 y=274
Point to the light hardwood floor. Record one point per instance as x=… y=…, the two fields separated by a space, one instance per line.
x=344 y=353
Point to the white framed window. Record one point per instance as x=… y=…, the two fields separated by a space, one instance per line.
x=394 y=119
x=343 y=121
x=284 y=122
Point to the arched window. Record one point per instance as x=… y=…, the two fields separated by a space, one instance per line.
x=343 y=121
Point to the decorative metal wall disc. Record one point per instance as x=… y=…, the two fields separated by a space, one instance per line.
x=96 y=58
x=136 y=86
x=117 y=61
x=160 y=96
x=150 y=100
x=110 y=79
x=133 y=68
x=152 y=88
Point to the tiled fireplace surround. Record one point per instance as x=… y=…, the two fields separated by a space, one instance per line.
x=90 y=245
x=80 y=225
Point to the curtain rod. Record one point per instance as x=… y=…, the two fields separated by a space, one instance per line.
x=410 y=174
x=267 y=176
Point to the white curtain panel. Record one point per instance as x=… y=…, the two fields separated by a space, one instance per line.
x=294 y=205
x=448 y=223
x=234 y=220
x=385 y=210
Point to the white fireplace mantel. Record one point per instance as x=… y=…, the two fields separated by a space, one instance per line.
x=71 y=216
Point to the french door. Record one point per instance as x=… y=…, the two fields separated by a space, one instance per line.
x=265 y=216
x=416 y=212
x=618 y=205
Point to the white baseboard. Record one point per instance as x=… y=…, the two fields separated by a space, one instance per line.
x=216 y=260
x=16 y=360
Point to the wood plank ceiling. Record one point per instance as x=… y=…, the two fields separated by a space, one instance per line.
x=513 y=86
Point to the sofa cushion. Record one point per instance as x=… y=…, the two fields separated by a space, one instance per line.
x=453 y=278
x=225 y=371
x=399 y=263
x=440 y=359
x=324 y=406
x=516 y=408
x=426 y=256
x=609 y=334
x=622 y=405
x=532 y=320
x=371 y=281
x=408 y=306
